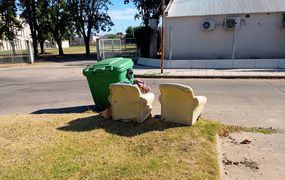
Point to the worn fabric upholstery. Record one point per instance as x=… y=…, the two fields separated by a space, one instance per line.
x=128 y=104
x=179 y=104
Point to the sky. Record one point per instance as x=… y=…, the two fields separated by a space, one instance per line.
x=122 y=16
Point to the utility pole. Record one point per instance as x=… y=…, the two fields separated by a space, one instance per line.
x=162 y=37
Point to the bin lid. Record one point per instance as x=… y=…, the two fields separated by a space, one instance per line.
x=112 y=64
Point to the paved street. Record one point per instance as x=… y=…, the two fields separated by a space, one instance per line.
x=27 y=89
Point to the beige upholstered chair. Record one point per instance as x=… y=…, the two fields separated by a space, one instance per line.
x=129 y=104
x=179 y=104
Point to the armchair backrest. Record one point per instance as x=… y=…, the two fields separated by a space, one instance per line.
x=128 y=103
x=178 y=92
x=125 y=92
x=125 y=100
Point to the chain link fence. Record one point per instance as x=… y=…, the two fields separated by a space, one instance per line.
x=17 y=51
x=108 y=48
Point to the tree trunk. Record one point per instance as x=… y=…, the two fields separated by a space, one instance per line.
x=35 y=42
x=60 y=50
x=42 y=43
x=34 y=28
x=12 y=43
x=87 y=45
x=35 y=47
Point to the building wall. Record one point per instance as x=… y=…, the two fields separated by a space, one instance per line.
x=78 y=41
x=259 y=36
x=20 y=41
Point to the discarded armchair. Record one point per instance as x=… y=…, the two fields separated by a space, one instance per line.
x=129 y=104
x=179 y=104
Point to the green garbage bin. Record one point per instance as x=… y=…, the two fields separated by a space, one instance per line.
x=100 y=75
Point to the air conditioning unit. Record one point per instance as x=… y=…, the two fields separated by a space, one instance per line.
x=209 y=25
x=231 y=24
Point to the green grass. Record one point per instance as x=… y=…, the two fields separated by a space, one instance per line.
x=81 y=49
x=10 y=52
x=72 y=50
x=85 y=146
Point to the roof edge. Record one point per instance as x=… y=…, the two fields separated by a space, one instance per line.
x=169 y=6
x=221 y=14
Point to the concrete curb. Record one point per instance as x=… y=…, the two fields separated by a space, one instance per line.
x=158 y=76
x=220 y=156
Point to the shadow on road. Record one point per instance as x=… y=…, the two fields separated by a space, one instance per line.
x=77 y=109
x=67 y=57
x=116 y=127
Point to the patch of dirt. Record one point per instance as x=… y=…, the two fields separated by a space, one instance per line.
x=247 y=163
x=224 y=133
x=246 y=141
x=233 y=140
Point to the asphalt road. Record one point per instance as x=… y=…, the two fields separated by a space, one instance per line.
x=61 y=87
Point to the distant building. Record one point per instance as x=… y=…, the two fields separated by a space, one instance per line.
x=52 y=44
x=20 y=42
x=78 y=41
x=113 y=36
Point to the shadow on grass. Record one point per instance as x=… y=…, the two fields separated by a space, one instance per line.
x=116 y=127
x=77 y=109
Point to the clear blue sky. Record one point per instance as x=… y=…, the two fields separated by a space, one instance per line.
x=122 y=16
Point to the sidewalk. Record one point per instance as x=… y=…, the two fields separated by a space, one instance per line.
x=150 y=72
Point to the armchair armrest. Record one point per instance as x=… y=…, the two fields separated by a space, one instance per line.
x=200 y=100
x=199 y=103
x=148 y=98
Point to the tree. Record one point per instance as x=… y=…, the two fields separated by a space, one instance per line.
x=148 y=9
x=9 y=24
x=36 y=14
x=43 y=31
x=60 y=21
x=130 y=32
x=91 y=15
x=142 y=35
x=29 y=13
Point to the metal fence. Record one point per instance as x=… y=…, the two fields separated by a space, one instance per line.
x=108 y=48
x=80 y=42
x=17 y=51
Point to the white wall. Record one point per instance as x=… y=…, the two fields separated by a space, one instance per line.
x=20 y=41
x=260 y=36
x=216 y=63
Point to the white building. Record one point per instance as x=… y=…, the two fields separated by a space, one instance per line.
x=52 y=44
x=225 y=34
x=79 y=41
x=23 y=36
x=20 y=41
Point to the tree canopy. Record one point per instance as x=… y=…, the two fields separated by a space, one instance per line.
x=9 y=24
x=60 y=21
x=90 y=16
x=148 y=9
x=29 y=13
